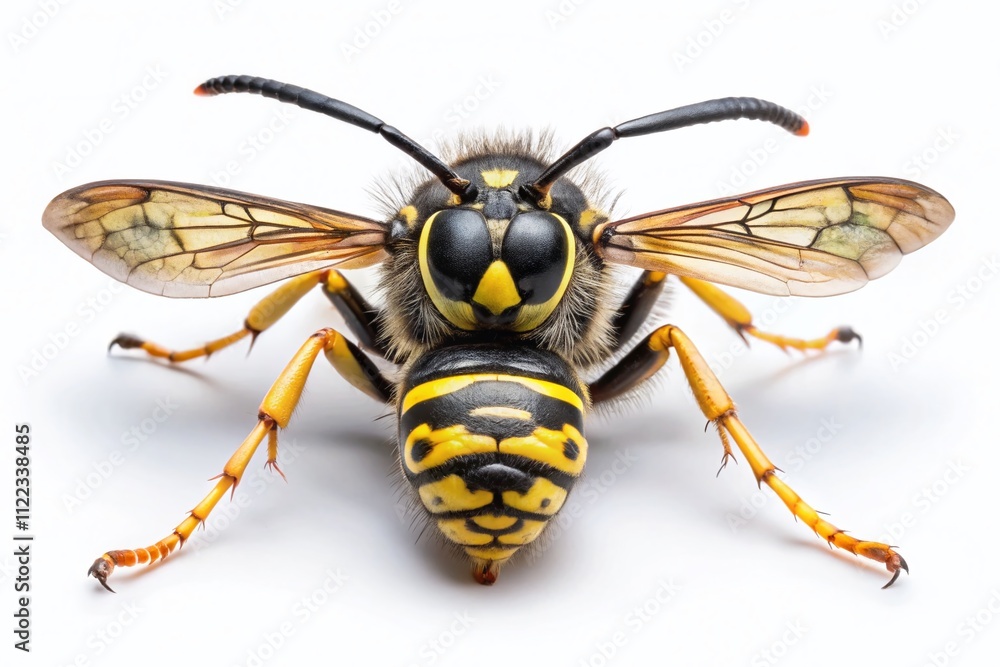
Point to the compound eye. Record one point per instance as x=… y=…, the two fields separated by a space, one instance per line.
x=458 y=251
x=537 y=252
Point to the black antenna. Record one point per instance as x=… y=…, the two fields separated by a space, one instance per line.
x=727 y=108
x=313 y=101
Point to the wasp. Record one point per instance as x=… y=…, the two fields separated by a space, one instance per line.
x=496 y=278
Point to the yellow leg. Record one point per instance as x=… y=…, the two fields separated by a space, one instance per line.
x=739 y=318
x=718 y=407
x=268 y=311
x=274 y=413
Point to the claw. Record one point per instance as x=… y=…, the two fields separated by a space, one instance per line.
x=101 y=570
x=847 y=334
x=895 y=576
x=273 y=465
x=726 y=458
x=125 y=342
x=894 y=565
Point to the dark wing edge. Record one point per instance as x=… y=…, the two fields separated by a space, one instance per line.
x=814 y=238
x=182 y=240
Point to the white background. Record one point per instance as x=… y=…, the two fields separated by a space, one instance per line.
x=883 y=83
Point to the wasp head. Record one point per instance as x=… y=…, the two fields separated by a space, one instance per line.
x=499 y=264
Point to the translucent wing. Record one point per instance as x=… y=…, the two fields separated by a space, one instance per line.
x=814 y=238
x=195 y=241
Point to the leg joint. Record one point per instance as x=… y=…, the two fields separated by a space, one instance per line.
x=325 y=332
x=765 y=474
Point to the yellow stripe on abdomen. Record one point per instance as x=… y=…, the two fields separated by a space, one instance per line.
x=448 y=385
x=451 y=494
x=564 y=450
x=427 y=448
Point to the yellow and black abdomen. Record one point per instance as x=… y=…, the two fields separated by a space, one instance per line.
x=491 y=438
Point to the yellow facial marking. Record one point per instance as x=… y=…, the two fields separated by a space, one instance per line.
x=502 y=412
x=531 y=316
x=435 y=388
x=543 y=497
x=499 y=178
x=427 y=448
x=551 y=447
x=458 y=313
x=452 y=495
x=497 y=290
